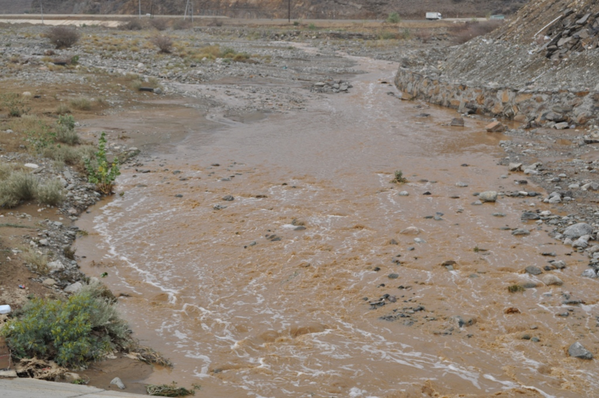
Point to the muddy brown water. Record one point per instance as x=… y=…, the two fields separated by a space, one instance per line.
x=247 y=305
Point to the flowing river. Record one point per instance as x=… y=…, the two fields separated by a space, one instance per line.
x=311 y=281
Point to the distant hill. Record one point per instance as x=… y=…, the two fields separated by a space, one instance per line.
x=342 y=9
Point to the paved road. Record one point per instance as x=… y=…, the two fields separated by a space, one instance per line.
x=30 y=388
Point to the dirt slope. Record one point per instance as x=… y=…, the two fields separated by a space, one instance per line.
x=278 y=8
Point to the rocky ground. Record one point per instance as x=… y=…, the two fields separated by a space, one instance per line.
x=121 y=71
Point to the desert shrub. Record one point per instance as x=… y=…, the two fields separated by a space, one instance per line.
x=469 y=30
x=99 y=170
x=51 y=193
x=15 y=104
x=164 y=43
x=241 y=57
x=73 y=332
x=65 y=130
x=17 y=187
x=132 y=24
x=398 y=177
x=393 y=18
x=227 y=53
x=159 y=23
x=39 y=134
x=63 y=109
x=181 y=24
x=81 y=103
x=63 y=36
x=312 y=26
x=64 y=154
x=38 y=261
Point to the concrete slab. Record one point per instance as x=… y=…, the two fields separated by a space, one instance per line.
x=31 y=388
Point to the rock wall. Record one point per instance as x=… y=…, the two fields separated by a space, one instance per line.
x=559 y=108
x=538 y=69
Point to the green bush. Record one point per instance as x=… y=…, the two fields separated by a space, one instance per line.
x=100 y=171
x=73 y=333
x=65 y=130
x=393 y=18
x=17 y=187
x=63 y=36
x=51 y=193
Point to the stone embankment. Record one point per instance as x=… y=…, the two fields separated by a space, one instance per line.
x=543 y=78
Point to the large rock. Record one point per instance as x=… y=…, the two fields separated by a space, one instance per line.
x=488 y=196
x=410 y=231
x=552 y=280
x=577 y=350
x=578 y=230
x=495 y=127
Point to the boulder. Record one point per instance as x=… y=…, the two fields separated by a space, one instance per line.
x=552 y=280
x=488 y=196
x=457 y=122
x=577 y=350
x=410 y=231
x=495 y=127
x=578 y=230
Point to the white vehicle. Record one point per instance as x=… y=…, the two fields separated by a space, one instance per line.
x=433 y=16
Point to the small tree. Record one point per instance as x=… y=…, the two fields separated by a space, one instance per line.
x=164 y=43
x=63 y=36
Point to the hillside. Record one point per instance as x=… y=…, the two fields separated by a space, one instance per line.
x=349 y=9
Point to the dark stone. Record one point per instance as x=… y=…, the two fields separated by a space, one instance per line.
x=533 y=270
x=228 y=198
x=529 y=215
x=393 y=276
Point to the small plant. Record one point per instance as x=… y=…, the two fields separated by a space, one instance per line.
x=312 y=26
x=398 y=177
x=393 y=18
x=73 y=333
x=81 y=103
x=15 y=104
x=40 y=135
x=296 y=23
x=168 y=390
x=515 y=288
x=164 y=43
x=63 y=109
x=102 y=172
x=50 y=193
x=65 y=130
x=37 y=260
x=63 y=36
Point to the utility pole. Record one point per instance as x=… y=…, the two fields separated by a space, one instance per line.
x=139 y=3
x=289 y=11
x=42 y=11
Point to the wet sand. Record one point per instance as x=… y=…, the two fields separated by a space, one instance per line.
x=247 y=304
